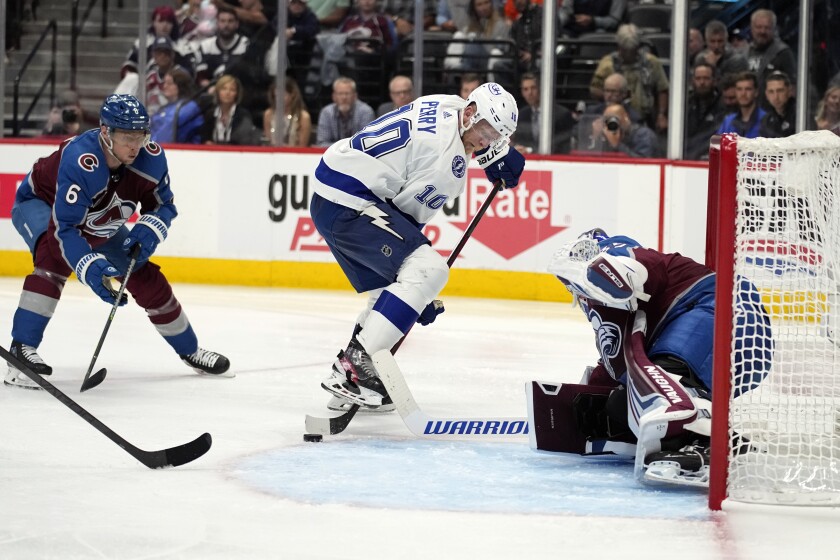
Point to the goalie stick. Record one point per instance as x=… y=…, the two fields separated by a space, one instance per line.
x=422 y=425
x=91 y=381
x=336 y=425
x=171 y=457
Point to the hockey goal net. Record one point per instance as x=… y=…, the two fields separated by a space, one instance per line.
x=774 y=221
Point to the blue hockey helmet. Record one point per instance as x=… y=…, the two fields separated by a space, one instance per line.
x=124 y=112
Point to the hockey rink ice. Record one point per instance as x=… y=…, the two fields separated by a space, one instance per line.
x=376 y=491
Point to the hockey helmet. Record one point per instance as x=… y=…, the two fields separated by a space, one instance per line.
x=496 y=106
x=124 y=112
x=596 y=234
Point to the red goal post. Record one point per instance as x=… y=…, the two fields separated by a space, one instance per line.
x=773 y=218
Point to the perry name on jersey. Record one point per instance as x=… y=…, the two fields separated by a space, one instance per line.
x=412 y=157
x=90 y=201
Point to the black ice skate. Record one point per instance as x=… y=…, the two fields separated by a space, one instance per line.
x=29 y=356
x=688 y=466
x=355 y=379
x=209 y=363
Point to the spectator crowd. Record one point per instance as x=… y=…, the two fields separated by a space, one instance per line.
x=211 y=65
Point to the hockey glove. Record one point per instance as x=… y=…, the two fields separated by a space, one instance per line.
x=148 y=232
x=95 y=271
x=430 y=313
x=506 y=169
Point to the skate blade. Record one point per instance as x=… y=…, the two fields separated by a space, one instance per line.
x=339 y=390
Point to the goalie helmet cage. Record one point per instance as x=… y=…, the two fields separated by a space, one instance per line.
x=774 y=218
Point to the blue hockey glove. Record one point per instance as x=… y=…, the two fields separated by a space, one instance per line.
x=507 y=168
x=148 y=232
x=430 y=313
x=96 y=272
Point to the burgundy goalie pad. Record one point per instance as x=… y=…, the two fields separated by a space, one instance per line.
x=555 y=414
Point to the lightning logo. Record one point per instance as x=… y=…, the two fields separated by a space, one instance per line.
x=380 y=219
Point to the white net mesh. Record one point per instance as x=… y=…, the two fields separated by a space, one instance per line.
x=785 y=434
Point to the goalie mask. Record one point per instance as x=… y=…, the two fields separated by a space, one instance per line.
x=496 y=106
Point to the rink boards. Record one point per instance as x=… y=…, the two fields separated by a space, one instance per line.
x=244 y=218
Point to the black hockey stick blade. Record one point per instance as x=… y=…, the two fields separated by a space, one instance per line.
x=171 y=457
x=330 y=426
x=93 y=380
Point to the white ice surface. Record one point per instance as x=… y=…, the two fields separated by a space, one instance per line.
x=375 y=492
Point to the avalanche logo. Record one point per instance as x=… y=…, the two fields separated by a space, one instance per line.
x=153 y=148
x=459 y=167
x=608 y=336
x=88 y=162
x=106 y=222
x=494 y=88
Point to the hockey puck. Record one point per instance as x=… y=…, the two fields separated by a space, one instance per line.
x=313 y=437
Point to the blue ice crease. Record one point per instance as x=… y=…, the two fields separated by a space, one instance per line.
x=463 y=476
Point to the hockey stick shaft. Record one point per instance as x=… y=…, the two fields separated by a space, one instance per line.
x=171 y=457
x=87 y=383
x=420 y=424
x=338 y=424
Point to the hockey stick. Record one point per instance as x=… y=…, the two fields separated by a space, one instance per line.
x=91 y=381
x=172 y=457
x=421 y=424
x=336 y=425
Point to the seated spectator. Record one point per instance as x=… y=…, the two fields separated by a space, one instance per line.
x=67 y=118
x=485 y=22
x=401 y=91
x=576 y=17
x=375 y=25
x=215 y=55
x=645 y=76
x=696 y=44
x=746 y=121
x=164 y=24
x=330 y=13
x=728 y=94
x=719 y=53
x=526 y=31
x=739 y=40
x=345 y=116
x=767 y=52
x=615 y=91
x=225 y=121
x=252 y=15
x=705 y=112
x=196 y=20
x=181 y=119
x=828 y=111
x=452 y=15
x=526 y=139
x=401 y=13
x=780 y=120
x=301 y=28
x=161 y=62
x=616 y=133
x=296 y=128
x=468 y=83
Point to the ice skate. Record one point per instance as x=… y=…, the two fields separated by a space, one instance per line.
x=354 y=378
x=687 y=466
x=209 y=363
x=29 y=356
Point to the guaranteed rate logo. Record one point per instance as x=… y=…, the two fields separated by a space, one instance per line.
x=519 y=218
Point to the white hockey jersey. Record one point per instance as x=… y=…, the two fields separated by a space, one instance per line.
x=412 y=157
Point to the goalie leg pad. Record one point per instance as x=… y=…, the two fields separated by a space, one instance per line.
x=568 y=418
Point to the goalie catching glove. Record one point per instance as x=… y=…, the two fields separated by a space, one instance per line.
x=614 y=281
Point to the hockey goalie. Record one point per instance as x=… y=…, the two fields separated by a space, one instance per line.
x=649 y=396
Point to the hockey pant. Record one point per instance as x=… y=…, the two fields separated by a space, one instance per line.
x=147 y=285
